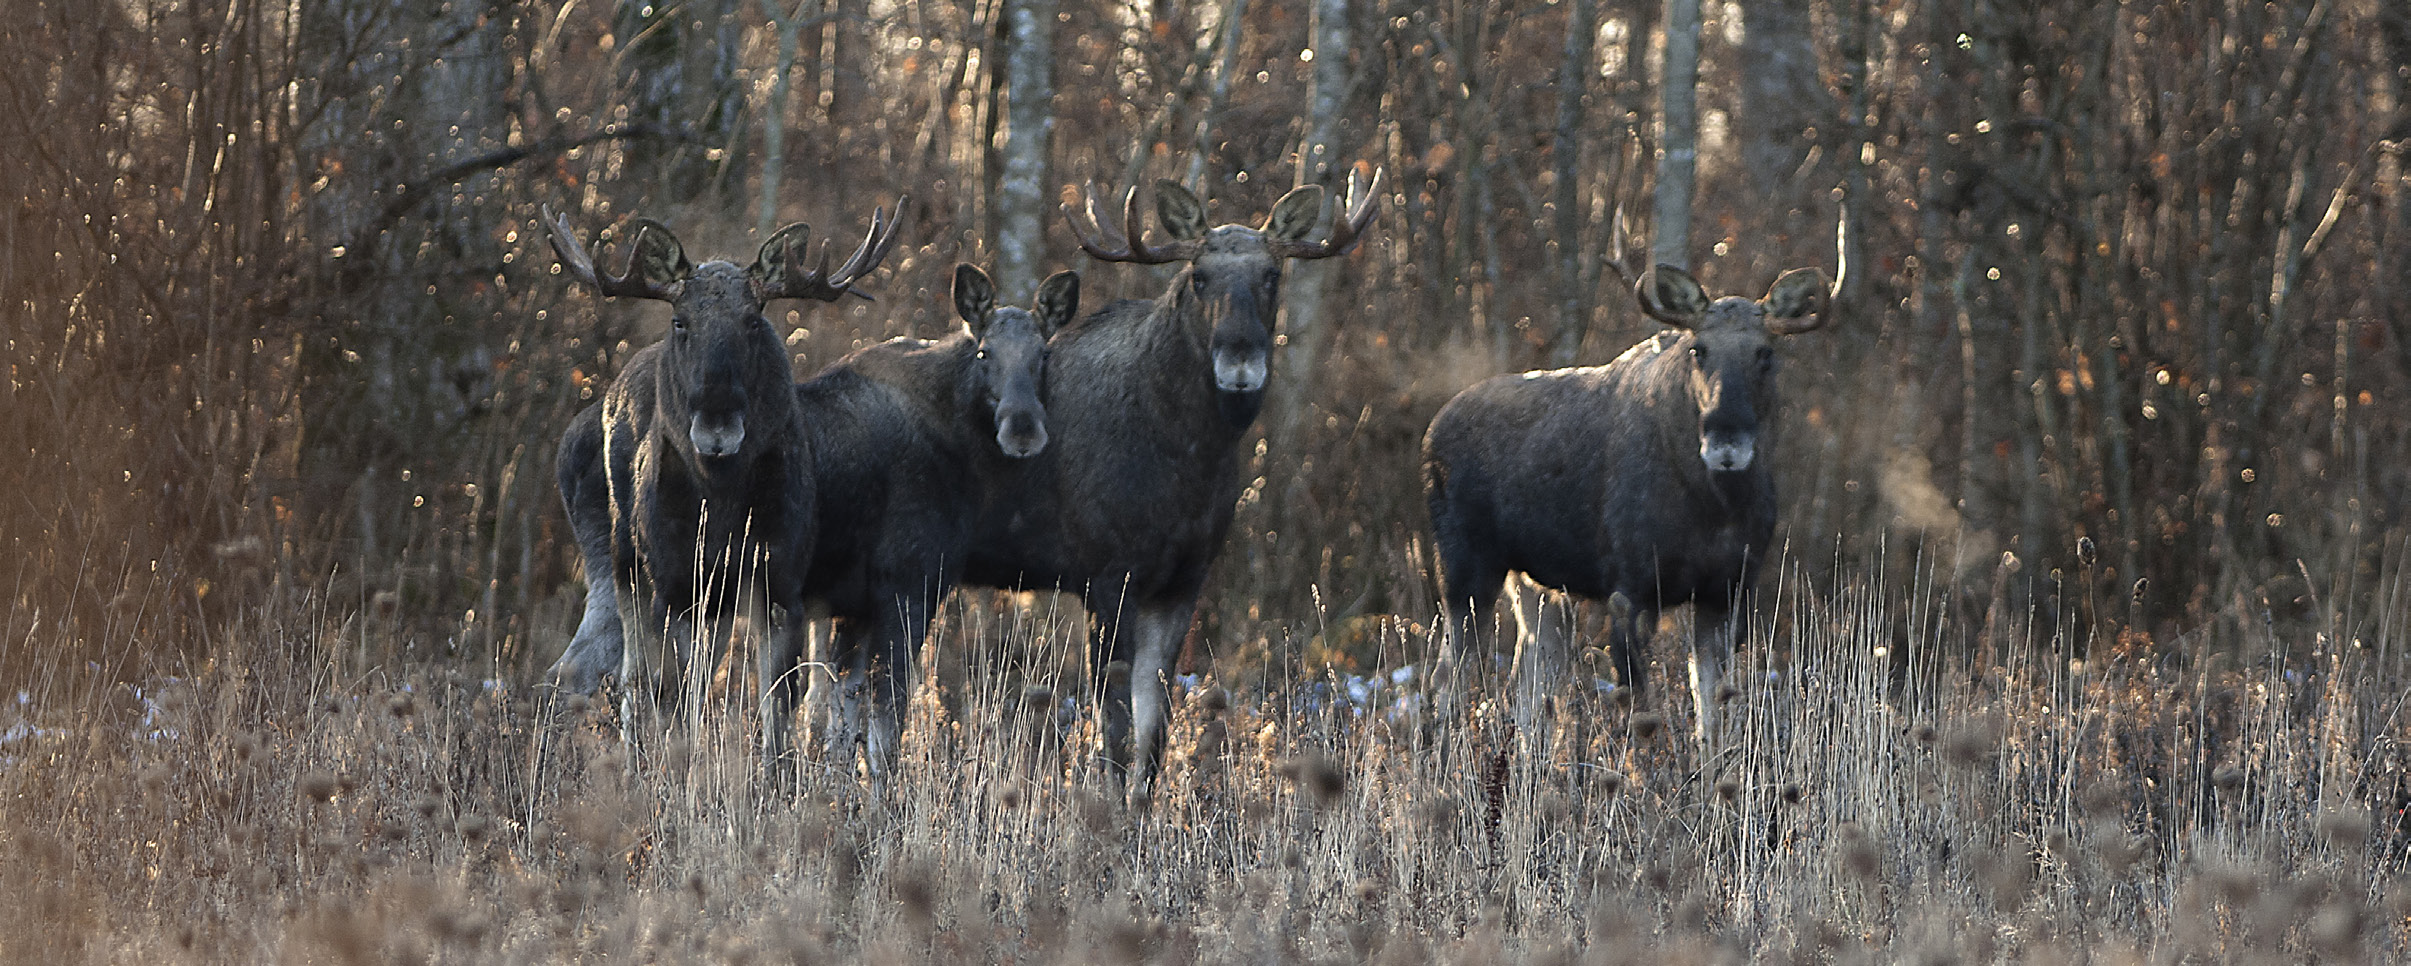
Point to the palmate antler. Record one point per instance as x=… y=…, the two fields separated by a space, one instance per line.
x=1125 y=244
x=1356 y=212
x=781 y=276
x=656 y=263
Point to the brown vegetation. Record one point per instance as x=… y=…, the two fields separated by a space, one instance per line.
x=2121 y=374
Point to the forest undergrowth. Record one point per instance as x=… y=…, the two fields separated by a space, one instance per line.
x=1891 y=788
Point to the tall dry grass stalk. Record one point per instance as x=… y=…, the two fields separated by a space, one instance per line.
x=1888 y=791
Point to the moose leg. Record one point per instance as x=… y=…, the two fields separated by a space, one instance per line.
x=1110 y=626
x=899 y=633
x=649 y=671
x=1545 y=633
x=1469 y=589
x=594 y=650
x=782 y=671
x=849 y=661
x=1160 y=627
x=1628 y=632
x=1716 y=627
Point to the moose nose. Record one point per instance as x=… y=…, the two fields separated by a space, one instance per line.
x=1727 y=453
x=717 y=434
x=1021 y=435
x=1238 y=371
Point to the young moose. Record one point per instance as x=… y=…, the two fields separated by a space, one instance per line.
x=688 y=487
x=907 y=439
x=1148 y=401
x=1641 y=479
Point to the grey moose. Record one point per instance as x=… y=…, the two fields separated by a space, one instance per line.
x=688 y=486
x=1147 y=401
x=1642 y=481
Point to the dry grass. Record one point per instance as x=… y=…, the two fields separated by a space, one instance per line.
x=1890 y=794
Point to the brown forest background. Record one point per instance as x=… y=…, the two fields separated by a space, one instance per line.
x=281 y=326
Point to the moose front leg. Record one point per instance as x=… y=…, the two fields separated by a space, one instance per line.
x=1716 y=629
x=1160 y=627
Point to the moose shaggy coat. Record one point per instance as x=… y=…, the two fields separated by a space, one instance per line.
x=1147 y=401
x=689 y=486
x=1642 y=479
x=907 y=437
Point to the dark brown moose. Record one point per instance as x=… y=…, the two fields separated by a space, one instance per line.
x=689 y=486
x=908 y=437
x=1147 y=402
x=1643 y=482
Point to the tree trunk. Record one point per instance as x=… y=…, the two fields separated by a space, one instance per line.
x=1030 y=116
x=1565 y=149
x=1678 y=137
x=1309 y=281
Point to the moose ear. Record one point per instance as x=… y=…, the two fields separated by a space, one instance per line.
x=783 y=256
x=1293 y=217
x=974 y=296
x=654 y=256
x=1800 y=292
x=1671 y=295
x=1058 y=301
x=1181 y=214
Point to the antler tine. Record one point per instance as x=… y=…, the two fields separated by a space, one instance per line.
x=1356 y=212
x=572 y=254
x=873 y=250
x=1136 y=230
x=1092 y=237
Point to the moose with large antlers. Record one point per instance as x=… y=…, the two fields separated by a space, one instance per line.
x=1147 y=402
x=689 y=486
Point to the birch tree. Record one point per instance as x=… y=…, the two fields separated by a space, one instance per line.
x=1030 y=97
x=1678 y=134
x=1309 y=282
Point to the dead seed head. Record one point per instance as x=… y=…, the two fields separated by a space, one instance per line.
x=1317 y=776
x=1791 y=793
x=1038 y=698
x=2228 y=778
x=1725 y=693
x=1211 y=740
x=1860 y=857
x=400 y=704
x=1214 y=700
x=1368 y=890
x=1609 y=783
x=1727 y=790
x=1925 y=734
x=1010 y=798
x=1436 y=810
x=318 y=786
x=473 y=828
x=1970 y=745
x=2101 y=798
x=1646 y=724
x=2344 y=828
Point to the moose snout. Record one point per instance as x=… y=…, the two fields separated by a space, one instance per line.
x=717 y=434
x=1021 y=434
x=1238 y=370
x=1727 y=452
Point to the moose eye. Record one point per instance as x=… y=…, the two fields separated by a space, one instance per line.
x=981 y=354
x=1197 y=283
x=1699 y=353
x=678 y=323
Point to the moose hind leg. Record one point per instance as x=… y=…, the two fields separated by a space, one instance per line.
x=782 y=681
x=898 y=634
x=1543 y=642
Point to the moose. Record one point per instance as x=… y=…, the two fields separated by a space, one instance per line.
x=906 y=437
x=1642 y=481
x=689 y=485
x=1148 y=401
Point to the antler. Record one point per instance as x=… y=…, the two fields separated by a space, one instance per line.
x=630 y=283
x=783 y=282
x=1356 y=213
x=1125 y=245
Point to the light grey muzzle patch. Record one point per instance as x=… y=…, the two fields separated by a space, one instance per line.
x=721 y=436
x=1727 y=454
x=1021 y=435
x=1239 y=371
